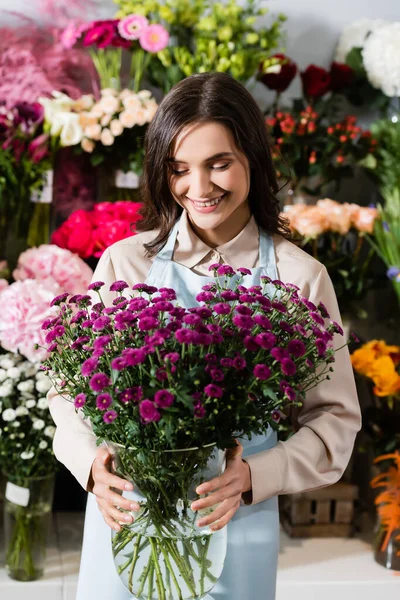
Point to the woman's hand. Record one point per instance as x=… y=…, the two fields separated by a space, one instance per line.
x=229 y=487
x=107 y=500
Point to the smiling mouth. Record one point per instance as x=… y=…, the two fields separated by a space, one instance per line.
x=206 y=203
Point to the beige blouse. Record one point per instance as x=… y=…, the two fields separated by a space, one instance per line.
x=327 y=423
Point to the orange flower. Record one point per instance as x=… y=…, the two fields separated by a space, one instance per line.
x=311 y=222
x=384 y=376
x=338 y=215
x=387 y=502
x=364 y=218
x=363 y=360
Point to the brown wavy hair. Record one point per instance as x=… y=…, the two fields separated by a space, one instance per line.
x=207 y=97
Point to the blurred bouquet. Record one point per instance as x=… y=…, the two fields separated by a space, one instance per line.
x=380 y=363
x=159 y=381
x=109 y=37
x=40 y=273
x=89 y=233
x=372 y=49
x=27 y=463
x=305 y=146
x=207 y=36
x=334 y=234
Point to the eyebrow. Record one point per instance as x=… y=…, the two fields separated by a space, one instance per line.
x=213 y=157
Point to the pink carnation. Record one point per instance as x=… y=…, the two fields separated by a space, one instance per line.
x=132 y=27
x=3 y=284
x=25 y=305
x=49 y=262
x=154 y=38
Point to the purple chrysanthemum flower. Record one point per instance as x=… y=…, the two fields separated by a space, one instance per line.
x=316 y=318
x=120 y=302
x=216 y=375
x=52 y=347
x=279 y=353
x=229 y=296
x=83 y=339
x=226 y=362
x=80 y=400
x=99 y=381
x=337 y=328
x=265 y=303
x=214 y=328
x=118 y=286
x=148 y=323
x=265 y=279
x=164 y=398
x=110 y=416
x=283 y=384
x=184 y=336
x=309 y=363
x=137 y=304
x=101 y=323
x=164 y=306
x=161 y=374
x=59 y=299
x=213 y=391
x=290 y=393
x=214 y=267
x=178 y=312
x=204 y=296
x=225 y=270
x=118 y=363
x=239 y=363
x=203 y=312
x=167 y=293
x=102 y=341
x=134 y=356
x=321 y=346
x=209 y=287
x=323 y=310
x=87 y=324
x=84 y=300
x=263 y=321
x=286 y=327
x=247 y=298
x=47 y=323
x=276 y=416
x=172 y=357
x=134 y=394
x=211 y=358
x=148 y=411
x=88 y=366
x=202 y=338
x=310 y=305
x=288 y=367
x=296 y=348
x=199 y=411
x=192 y=320
x=262 y=372
x=74 y=299
x=266 y=340
x=243 y=321
x=243 y=310
x=221 y=308
x=300 y=329
x=96 y=285
x=174 y=325
x=103 y=401
x=279 y=306
x=354 y=337
x=250 y=343
x=244 y=271
x=251 y=396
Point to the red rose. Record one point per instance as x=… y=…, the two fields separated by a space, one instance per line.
x=341 y=76
x=279 y=81
x=128 y=211
x=109 y=233
x=316 y=81
x=75 y=234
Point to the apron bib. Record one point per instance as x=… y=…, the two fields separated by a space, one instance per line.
x=250 y=567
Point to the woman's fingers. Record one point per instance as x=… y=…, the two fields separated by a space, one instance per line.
x=219 y=513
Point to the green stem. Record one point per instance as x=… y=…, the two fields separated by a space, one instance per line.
x=159 y=581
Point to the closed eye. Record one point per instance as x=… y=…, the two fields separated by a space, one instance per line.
x=182 y=172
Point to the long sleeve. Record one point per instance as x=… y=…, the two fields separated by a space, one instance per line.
x=317 y=454
x=74 y=442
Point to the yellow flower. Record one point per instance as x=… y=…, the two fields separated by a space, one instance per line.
x=362 y=360
x=385 y=377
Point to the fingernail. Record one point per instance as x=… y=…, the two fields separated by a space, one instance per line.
x=200 y=523
x=135 y=506
x=129 y=486
x=200 y=489
x=214 y=527
x=127 y=518
x=194 y=506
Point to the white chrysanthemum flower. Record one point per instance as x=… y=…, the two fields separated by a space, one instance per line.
x=9 y=414
x=7 y=363
x=50 y=431
x=39 y=424
x=354 y=36
x=29 y=369
x=381 y=56
x=3 y=374
x=43 y=445
x=30 y=403
x=26 y=386
x=43 y=385
x=21 y=435
x=43 y=404
x=5 y=389
x=27 y=455
x=14 y=373
x=16 y=424
x=21 y=411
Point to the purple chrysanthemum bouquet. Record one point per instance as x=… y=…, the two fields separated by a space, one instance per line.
x=157 y=380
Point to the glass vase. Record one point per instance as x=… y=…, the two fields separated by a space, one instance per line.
x=387 y=547
x=163 y=554
x=27 y=515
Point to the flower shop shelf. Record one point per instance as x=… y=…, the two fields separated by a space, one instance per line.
x=309 y=569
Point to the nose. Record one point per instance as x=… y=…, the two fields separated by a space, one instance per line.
x=200 y=185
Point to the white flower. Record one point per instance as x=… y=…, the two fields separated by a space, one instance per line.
x=71 y=131
x=108 y=92
x=16 y=424
x=354 y=36
x=144 y=94
x=6 y=363
x=381 y=56
x=87 y=145
x=107 y=138
x=29 y=369
x=26 y=386
x=14 y=373
x=109 y=105
x=9 y=414
x=27 y=455
x=21 y=411
x=43 y=404
x=116 y=127
x=43 y=445
x=5 y=389
x=3 y=374
x=43 y=385
x=21 y=435
x=50 y=431
x=106 y=120
x=39 y=424
x=132 y=102
x=93 y=132
x=30 y=403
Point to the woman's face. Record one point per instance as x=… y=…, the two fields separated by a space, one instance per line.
x=210 y=178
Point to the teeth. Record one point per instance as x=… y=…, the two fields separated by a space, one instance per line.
x=210 y=203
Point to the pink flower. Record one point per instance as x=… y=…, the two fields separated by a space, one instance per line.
x=70 y=35
x=363 y=218
x=38 y=148
x=49 y=262
x=338 y=215
x=24 y=307
x=132 y=27
x=102 y=34
x=3 y=284
x=154 y=38
x=148 y=411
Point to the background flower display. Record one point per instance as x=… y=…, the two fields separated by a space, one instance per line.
x=89 y=233
x=27 y=462
x=207 y=37
x=334 y=234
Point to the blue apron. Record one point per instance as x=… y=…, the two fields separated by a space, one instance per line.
x=250 y=567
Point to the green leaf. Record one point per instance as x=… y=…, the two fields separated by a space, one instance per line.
x=354 y=60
